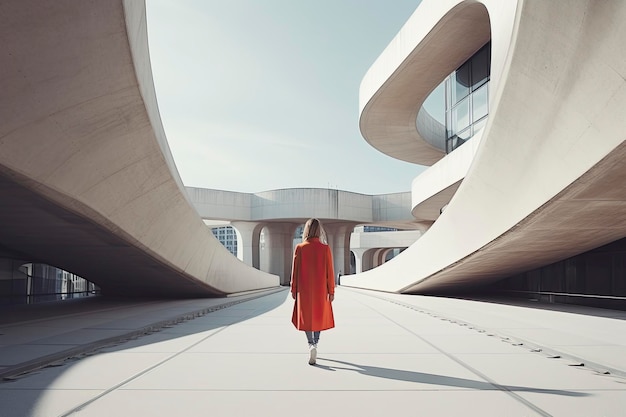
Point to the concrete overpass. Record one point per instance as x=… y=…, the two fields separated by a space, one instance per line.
x=371 y=249
x=280 y=212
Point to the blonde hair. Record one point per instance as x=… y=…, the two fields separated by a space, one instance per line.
x=313 y=228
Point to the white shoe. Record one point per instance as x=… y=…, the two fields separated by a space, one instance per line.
x=312 y=354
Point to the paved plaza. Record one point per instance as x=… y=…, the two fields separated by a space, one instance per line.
x=240 y=356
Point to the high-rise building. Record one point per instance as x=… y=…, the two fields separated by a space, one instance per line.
x=227 y=236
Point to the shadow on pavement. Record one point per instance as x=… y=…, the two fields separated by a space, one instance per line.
x=424 y=378
x=27 y=391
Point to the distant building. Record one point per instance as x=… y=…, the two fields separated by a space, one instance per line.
x=31 y=283
x=369 y=229
x=227 y=237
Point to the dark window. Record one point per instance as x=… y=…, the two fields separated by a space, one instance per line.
x=467 y=98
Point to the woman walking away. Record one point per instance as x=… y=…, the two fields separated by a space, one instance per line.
x=313 y=285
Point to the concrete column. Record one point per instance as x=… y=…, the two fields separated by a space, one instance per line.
x=358 y=258
x=385 y=254
x=367 y=260
x=364 y=259
x=278 y=248
x=249 y=234
x=338 y=235
x=379 y=257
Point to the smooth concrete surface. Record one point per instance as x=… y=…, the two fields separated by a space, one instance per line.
x=370 y=249
x=370 y=240
x=435 y=41
x=279 y=212
x=300 y=204
x=546 y=182
x=38 y=334
x=433 y=189
x=389 y=354
x=87 y=181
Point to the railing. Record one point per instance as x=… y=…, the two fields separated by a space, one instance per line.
x=565 y=294
x=15 y=299
x=594 y=300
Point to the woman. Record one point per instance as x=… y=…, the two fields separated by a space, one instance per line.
x=313 y=285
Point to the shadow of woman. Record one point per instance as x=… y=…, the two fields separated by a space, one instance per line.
x=424 y=378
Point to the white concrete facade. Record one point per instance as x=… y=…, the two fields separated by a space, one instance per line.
x=279 y=212
x=87 y=180
x=88 y=183
x=545 y=180
x=392 y=210
x=370 y=249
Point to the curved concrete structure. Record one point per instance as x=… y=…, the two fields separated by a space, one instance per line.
x=432 y=44
x=546 y=179
x=87 y=181
x=300 y=204
x=280 y=212
x=370 y=249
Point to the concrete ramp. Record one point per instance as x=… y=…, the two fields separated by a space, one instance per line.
x=87 y=181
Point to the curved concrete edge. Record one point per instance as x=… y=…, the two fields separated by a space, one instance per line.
x=136 y=24
x=430 y=129
x=434 y=188
x=81 y=130
x=391 y=95
x=544 y=183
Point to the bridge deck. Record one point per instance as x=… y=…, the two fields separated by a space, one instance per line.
x=388 y=353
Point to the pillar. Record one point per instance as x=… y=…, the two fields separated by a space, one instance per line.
x=278 y=248
x=358 y=259
x=379 y=257
x=249 y=234
x=367 y=260
x=338 y=235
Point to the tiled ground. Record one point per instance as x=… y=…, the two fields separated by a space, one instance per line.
x=418 y=356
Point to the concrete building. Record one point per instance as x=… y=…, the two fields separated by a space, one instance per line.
x=87 y=181
x=538 y=181
x=227 y=236
x=536 y=98
x=266 y=222
x=373 y=246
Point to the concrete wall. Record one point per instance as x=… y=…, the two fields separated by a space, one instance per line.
x=89 y=184
x=300 y=204
x=397 y=239
x=547 y=178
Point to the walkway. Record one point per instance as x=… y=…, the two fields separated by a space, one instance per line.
x=408 y=355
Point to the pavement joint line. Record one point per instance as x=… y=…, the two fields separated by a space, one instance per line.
x=33 y=321
x=20 y=370
x=497 y=386
x=80 y=407
x=549 y=353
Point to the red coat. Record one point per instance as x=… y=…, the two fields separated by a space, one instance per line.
x=312 y=280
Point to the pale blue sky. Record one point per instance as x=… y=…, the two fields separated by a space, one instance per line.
x=258 y=95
